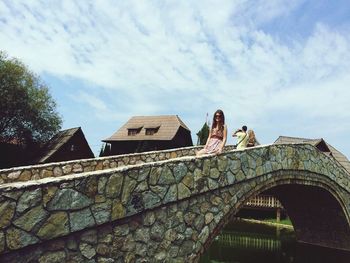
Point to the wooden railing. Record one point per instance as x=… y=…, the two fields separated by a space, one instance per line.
x=264 y=201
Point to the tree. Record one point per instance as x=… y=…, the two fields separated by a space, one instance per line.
x=27 y=110
x=105 y=150
x=203 y=134
x=102 y=150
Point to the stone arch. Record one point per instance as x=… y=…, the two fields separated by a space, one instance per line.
x=329 y=192
x=189 y=200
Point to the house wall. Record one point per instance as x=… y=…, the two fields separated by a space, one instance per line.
x=12 y=155
x=181 y=139
x=124 y=147
x=81 y=150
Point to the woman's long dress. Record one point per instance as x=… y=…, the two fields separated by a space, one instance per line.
x=215 y=140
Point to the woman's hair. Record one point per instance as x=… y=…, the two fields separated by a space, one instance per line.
x=222 y=120
x=251 y=137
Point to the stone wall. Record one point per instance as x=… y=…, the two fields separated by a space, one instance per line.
x=172 y=233
x=40 y=171
x=177 y=232
x=165 y=210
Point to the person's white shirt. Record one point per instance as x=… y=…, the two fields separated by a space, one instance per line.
x=242 y=139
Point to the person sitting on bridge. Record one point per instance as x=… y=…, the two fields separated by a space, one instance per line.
x=242 y=137
x=217 y=135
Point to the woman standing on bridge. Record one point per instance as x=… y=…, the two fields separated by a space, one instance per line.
x=217 y=135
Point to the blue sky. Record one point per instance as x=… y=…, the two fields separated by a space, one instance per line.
x=280 y=67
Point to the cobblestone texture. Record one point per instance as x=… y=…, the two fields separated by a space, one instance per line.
x=165 y=211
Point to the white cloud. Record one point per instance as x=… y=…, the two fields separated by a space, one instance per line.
x=93 y=101
x=185 y=57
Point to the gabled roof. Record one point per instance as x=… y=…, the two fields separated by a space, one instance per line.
x=321 y=145
x=341 y=158
x=57 y=142
x=287 y=139
x=168 y=127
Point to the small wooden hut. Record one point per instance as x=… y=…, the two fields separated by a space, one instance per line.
x=66 y=145
x=150 y=133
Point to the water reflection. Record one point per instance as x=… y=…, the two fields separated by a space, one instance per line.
x=243 y=242
x=248 y=241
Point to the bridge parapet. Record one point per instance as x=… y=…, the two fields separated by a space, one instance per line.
x=37 y=211
x=40 y=171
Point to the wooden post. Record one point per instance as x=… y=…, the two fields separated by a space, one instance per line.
x=278 y=215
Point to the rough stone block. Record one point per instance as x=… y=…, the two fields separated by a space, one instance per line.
x=56 y=225
x=68 y=199
x=81 y=219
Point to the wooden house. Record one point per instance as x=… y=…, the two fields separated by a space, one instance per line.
x=66 y=145
x=150 y=133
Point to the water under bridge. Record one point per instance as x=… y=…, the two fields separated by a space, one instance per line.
x=165 y=206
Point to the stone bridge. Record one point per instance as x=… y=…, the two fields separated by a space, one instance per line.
x=164 y=206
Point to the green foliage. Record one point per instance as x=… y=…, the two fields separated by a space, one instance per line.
x=203 y=134
x=102 y=150
x=27 y=110
x=105 y=150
